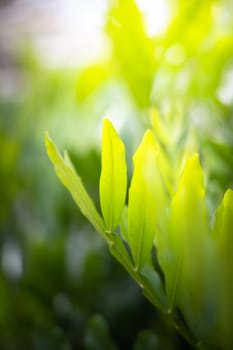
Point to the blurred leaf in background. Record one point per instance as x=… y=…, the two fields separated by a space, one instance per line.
x=135 y=63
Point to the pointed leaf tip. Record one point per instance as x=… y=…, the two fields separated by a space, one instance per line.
x=48 y=140
x=147 y=142
x=223 y=222
x=52 y=150
x=189 y=228
x=113 y=179
x=228 y=197
x=144 y=196
x=193 y=175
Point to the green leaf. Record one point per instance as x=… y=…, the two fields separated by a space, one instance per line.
x=143 y=196
x=133 y=50
x=71 y=180
x=189 y=230
x=113 y=179
x=224 y=222
x=222 y=233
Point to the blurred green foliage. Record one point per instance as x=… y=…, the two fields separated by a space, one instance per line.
x=50 y=292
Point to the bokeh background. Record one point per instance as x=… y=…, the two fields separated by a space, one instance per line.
x=64 y=66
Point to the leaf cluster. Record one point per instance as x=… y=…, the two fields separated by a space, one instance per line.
x=190 y=252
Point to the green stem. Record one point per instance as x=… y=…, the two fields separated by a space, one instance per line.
x=119 y=251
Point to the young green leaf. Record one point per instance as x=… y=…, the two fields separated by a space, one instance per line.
x=224 y=220
x=142 y=218
x=222 y=233
x=188 y=234
x=70 y=179
x=113 y=179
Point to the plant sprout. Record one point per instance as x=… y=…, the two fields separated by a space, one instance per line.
x=193 y=286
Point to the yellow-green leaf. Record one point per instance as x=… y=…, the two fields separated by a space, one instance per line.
x=113 y=179
x=71 y=180
x=222 y=233
x=224 y=221
x=188 y=234
x=144 y=196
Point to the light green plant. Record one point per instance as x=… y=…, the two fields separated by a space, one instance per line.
x=164 y=223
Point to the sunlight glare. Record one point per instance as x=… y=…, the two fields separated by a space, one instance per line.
x=156 y=14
